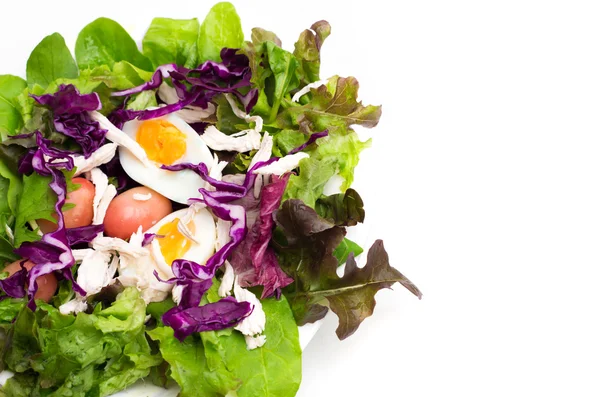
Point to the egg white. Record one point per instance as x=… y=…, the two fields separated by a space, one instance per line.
x=178 y=186
x=205 y=234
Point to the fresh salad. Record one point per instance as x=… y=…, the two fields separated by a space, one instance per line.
x=163 y=215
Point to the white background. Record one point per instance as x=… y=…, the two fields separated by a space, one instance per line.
x=483 y=181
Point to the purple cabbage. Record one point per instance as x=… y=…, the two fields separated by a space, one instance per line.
x=149 y=237
x=195 y=87
x=52 y=253
x=254 y=261
x=84 y=234
x=216 y=316
x=14 y=286
x=196 y=279
x=202 y=170
x=71 y=117
x=312 y=139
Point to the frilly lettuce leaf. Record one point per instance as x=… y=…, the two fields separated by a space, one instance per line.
x=334 y=104
x=308 y=50
x=308 y=254
x=88 y=354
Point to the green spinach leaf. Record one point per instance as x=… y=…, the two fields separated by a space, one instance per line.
x=105 y=42
x=172 y=41
x=50 y=60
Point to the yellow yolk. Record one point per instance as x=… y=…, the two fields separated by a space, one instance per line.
x=161 y=140
x=174 y=244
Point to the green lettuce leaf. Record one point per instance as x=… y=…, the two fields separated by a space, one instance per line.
x=12 y=188
x=188 y=365
x=308 y=254
x=218 y=363
x=336 y=154
x=333 y=104
x=308 y=50
x=172 y=41
x=346 y=248
x=274 y=370
x=10 y=117
x=221 y=28
x=343 y=209
x=95 y=354
x=50 y=60
x=105 y=42
x=37 y=202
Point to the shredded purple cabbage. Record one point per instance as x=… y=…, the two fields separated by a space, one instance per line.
x=195 y=87
x=149 y=237
x=84 y=234
x=52 y=253
x=225 y=313
x=312 y=139
x=196 y=279
x=71 y=117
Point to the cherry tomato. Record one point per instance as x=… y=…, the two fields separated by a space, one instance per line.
x=125 y=214
x=47 y=283
x=80 y=215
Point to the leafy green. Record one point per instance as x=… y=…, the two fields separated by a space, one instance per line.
x=343 y=209
x=217 y=363
x=308 y=50
x=172 y=41
x=188 y=365
x=89 y=354
x=37 y=202
x=346 y=248
x=333 y=104
x=50 y=60
x=9 y=308
x=286 y=140
x=283 y=65
x=309 y=255
x=105 y=42
x=337 y=153
x=221 y=28
x=10 y=117
x=274 y=370
x=11 y=191
x=142 y=101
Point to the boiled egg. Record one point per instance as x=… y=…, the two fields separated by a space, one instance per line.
x=171 y=244
x=166 y=140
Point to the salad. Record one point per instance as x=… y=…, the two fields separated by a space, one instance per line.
x=163 y=215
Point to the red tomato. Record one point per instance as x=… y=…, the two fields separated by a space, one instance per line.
x=83 y=212
x=47 y=283
x=125 y=214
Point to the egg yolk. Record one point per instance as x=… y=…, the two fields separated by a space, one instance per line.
x=161 y=140
x=174 y=244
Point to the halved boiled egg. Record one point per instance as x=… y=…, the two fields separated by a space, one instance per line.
x=166 y=140
x=171 y=244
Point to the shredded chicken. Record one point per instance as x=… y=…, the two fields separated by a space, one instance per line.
x=101 y=156
x=306 y=89
x=242 y=142
x=283 y=165
x=120 y=138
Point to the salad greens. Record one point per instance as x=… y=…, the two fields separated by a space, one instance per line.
x=286 y=238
